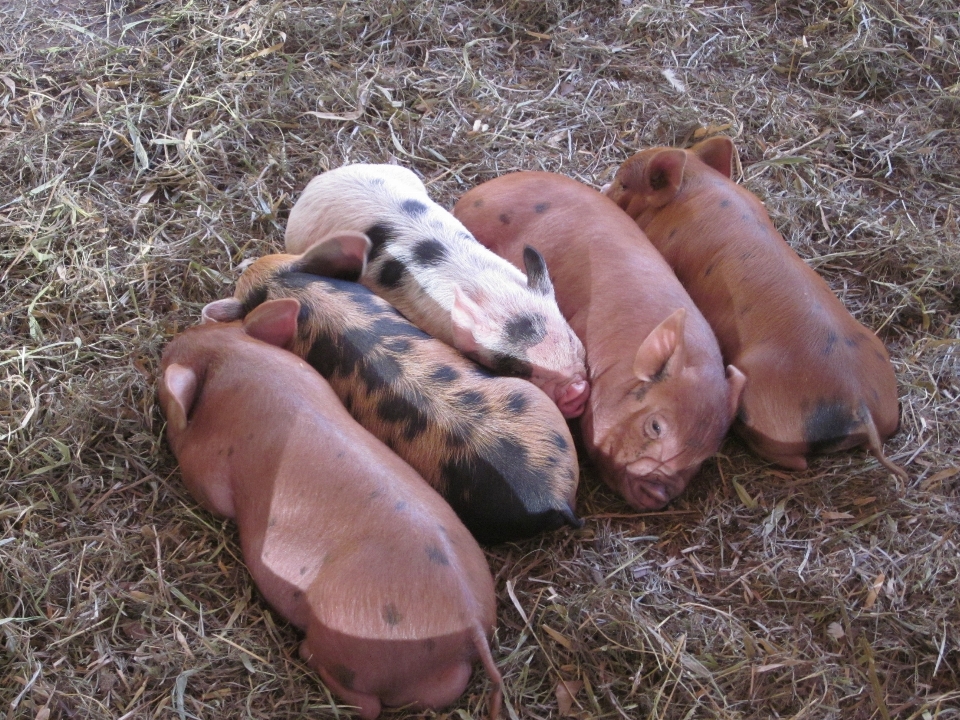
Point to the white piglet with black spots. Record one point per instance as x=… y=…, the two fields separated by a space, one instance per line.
x=427 y=265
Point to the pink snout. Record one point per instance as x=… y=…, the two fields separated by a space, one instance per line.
x=572 y=398
x=653 y=491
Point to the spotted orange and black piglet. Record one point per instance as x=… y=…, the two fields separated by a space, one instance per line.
x=497 y=448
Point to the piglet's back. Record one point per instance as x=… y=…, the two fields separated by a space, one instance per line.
x=340 y=535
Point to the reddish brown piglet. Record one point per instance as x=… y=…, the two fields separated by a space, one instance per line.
x=817 y=380
x=660 y=402
x=342 y=537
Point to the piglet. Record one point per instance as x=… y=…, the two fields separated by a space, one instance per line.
x=817 y=380
x=431 y=269
x=341 y=536
x=496 y=448
x=660 y=402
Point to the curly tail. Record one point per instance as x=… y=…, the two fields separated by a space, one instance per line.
x=876 y=448
x=486 y=658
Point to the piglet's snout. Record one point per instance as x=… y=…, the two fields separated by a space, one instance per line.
x=653 y=490
x=572 y=398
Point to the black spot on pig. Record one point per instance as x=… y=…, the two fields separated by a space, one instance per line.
x=525 y=330
x=255 y=297
x=724 y=203
x=298 y=280
x=472 y=402
x=324 y=356
x=541 y=208
x=412 y=412
x=392 y=324
x=365 y=299
x=391 y=274
x=437 y=556
x=398 y=345
x=444 y=374
x=343 y=675
x=828 y=425
x=517 y=403
x=379 y=371
x=559 y=441
x=829 y=343
x=400 y=506
x=429 y=253
x=478 y=203
x=511 y=366
x=413 y=208
x=480 y=494
x=710 y=268
x=379 y=235
x=303 y=316
x=505 y=218
x=390 y=614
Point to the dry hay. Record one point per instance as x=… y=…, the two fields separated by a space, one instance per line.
x=146 y=151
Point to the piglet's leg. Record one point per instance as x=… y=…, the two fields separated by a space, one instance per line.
x=368 y=706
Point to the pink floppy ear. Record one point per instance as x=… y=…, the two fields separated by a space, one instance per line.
x=339 y=255
x=274 y=322
x=664 y=342
x=221 y=311
x=470 y=323
x=662 y=176
x=178 y=390
x=717 y=152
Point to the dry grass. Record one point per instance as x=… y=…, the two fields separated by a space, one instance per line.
x=147 y=150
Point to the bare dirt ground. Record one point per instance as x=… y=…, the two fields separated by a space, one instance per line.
x=146 y=150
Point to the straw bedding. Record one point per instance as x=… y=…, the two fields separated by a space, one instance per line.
x=147 y=150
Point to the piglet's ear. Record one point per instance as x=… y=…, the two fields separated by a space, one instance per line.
x=664 y=342
x=178 y=390
x=274 y=322
x=717 y=152
x=339 y=255
x=663 y=175
x=538 y=279
x=221 y=311
x=470 y=324
x=736 y=380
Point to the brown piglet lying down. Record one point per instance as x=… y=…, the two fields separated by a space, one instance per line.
x=341 y=536
x=660 y=403
x=817 y=380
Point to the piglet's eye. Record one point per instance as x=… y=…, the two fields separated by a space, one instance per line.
x=653 y=428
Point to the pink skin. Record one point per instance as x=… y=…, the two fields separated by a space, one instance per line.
x=571 y=397
x=335 y=528
x=660 y=401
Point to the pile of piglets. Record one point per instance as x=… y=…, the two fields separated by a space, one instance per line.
x=399 y=355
